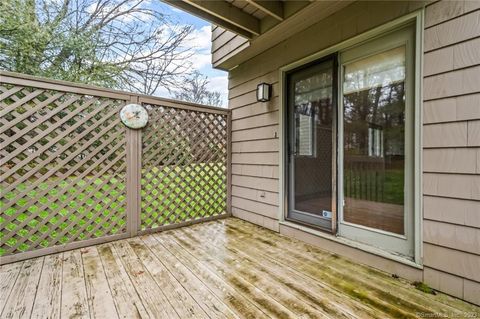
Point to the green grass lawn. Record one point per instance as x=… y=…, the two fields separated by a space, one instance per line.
x=91 y=207
x=361 y=185
x=394 y=187
x=182 y=193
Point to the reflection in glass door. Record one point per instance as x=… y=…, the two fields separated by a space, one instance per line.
x=365 y=116
x=376 y=130
x=310 y=118
x=374 y=141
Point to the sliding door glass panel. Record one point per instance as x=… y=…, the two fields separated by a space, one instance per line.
x=310 y=120
x=374 y=141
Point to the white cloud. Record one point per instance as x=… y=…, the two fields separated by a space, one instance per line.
x=197 y=44
x=218 y=83
x=176 y=10
x=200 y=39
x=200 y=60
x=163 y=91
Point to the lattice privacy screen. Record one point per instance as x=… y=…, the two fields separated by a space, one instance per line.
x=66 y=179
x=184 y=158
x=62 y=168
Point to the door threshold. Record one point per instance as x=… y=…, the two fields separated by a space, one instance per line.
x=315 y=227
x=351 y=243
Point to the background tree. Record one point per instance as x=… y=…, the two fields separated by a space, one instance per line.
x=123 y=44
x=195 y=90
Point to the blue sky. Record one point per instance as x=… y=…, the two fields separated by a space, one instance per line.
x=200 y=39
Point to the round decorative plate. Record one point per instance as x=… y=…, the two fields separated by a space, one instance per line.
x=134 y=116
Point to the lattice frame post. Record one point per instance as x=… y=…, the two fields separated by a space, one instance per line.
x=134 y=169
x=229 y=164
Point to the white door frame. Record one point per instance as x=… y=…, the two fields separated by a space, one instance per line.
x=418 y=18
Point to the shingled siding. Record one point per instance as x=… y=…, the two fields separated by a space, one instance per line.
x=451 y=148
x=225 y=44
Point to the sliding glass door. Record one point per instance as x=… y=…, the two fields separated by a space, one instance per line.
x=369 y=133
x=310 y=116
x=376 y=129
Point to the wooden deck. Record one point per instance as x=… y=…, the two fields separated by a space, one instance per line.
x=221 y=269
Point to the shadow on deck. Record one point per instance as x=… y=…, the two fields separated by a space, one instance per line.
x=221 y=269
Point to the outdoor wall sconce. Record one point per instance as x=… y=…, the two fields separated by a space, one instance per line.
x=264 y=92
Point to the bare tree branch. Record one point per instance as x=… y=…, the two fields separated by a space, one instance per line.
x=195 y=89
x=125 y=44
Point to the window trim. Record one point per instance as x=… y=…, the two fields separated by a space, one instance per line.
x=417 y=17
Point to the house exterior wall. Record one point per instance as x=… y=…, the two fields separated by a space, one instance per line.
x=451 y=138
x=225 y=44
x=451 y=148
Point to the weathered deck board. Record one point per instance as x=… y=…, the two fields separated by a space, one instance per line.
x=48 y=302
x=312 y=292
x=396 y=291
x=8 y=277
x=222 y=269
x=246 y=278
x=179 y=298
x=241 y=305
x=334 y=277
x=384 y=283
x=125 y=297
x=240 y=287
x=393 y=300
x=74 y=293
x=153 y=298
x=214 y=306
x=99 y=295
x=19 y=303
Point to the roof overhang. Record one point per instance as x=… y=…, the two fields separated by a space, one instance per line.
x=263 y=23
x=248 y=18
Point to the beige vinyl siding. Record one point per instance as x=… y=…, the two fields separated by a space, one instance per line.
x=258 y=133
x=450 y=141
x=461 y=28
x=441 y=208
x=267 y=145
x=255 y=159
x=451 y=109
x=267 y=171
x=258 y=183
x=442 y=60
x=450 y=160
x=453 y=236
x=256 y=195
x=225 y=44
x=266 y=119
x=260 y=158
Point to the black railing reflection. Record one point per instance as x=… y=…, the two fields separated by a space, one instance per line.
x=364 y=177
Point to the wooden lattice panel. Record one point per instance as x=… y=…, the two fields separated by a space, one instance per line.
x=63 y=168
x=184 y=158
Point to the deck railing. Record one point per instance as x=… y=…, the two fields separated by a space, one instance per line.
x=73 y=175
x=364 y=178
